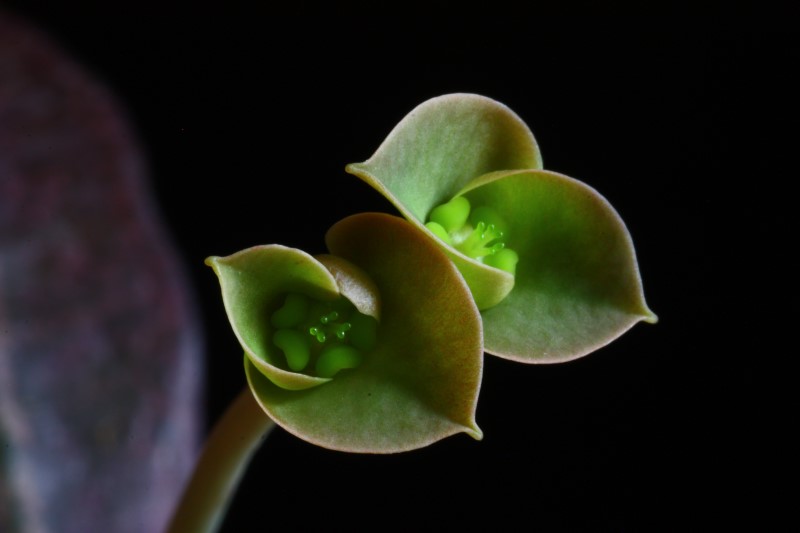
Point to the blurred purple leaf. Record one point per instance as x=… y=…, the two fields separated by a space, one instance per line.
x=100 y=357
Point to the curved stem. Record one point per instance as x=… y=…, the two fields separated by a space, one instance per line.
x=223 y=461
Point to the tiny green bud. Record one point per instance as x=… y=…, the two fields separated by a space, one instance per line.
x=505 y=259
x=451 y=215
x=292 y=313
x=439 y=231
x=335 y=358
x=295 y=347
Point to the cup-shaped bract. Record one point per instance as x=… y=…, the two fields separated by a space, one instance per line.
x=573 y=283
x=415 y=383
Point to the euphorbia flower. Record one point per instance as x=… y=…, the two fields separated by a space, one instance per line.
x=549 y=262
x=375 y=348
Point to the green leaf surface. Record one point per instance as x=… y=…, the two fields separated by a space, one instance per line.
x=354 y=284
x=577 y=282
x=442 y=145
x=419 y=383
x=439 y=148
x=253 y=283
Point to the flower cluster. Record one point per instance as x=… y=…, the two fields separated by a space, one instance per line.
x=378 y=345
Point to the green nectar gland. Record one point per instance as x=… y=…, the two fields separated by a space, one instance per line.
x=324 y=336
x=478 y=233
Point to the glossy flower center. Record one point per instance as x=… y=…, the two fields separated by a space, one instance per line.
x=324 y=336
x=478 y=233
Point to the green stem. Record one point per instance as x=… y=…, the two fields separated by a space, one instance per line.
x=224 y=459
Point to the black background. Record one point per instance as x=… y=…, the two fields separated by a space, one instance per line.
x=248 y=120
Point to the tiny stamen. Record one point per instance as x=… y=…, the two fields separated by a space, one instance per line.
x=496 y=248
x=478 y=233
x=341 y=332
x=318 y=333
x=330 y=317
x=342 y=329
x=477 y=243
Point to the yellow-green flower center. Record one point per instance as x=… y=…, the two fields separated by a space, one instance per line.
x=478 y=233
x=324 y=336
